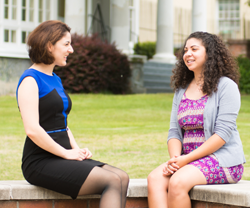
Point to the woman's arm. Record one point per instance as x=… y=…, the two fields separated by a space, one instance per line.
x=174 y=150
x=28 y=101
x=174 y=147
x=72 y=140
x=174 y=139
x=208 y=147
x=74 y=145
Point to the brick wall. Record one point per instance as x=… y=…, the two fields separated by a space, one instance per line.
x=78 y=203
x=94 y=203
x=239 y=47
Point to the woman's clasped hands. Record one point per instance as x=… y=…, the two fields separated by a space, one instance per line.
x=174 y=164
x=78 y=154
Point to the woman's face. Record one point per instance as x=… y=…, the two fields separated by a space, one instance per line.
x=62 y=49
x=194 y=55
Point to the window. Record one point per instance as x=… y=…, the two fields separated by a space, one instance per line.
x=10 y=36
x=27 y=10
x=6 y=9
x=47 y=11
x=10 y=9
x=18 y=18
x=23 y=10
x=61 y=9
x=40 y=11
x=24 y=36
x=13 y=36
x=31 y=12
x=6 y=35
x=14 y=9
x=229 y=19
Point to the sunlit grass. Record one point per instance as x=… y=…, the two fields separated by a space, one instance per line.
x=127 y=131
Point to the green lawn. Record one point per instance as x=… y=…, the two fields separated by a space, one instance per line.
x=127 y=131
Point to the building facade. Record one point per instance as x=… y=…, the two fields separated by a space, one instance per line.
x=115 y=20
x=228 y=18
x=124 y=22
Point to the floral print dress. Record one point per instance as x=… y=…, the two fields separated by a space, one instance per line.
x=190 y=118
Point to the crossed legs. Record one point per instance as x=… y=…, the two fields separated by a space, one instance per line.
x=109 y=181
x=172 y=192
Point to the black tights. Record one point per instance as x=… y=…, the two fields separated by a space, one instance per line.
x=109 y=181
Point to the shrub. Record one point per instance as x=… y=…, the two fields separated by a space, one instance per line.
x=244 y=67
x=95 y=66
x=145 y=48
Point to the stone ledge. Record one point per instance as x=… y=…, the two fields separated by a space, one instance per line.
x=230 y=194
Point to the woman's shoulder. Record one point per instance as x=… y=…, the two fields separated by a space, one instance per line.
x=228 y=89
x=180 y=91
x=226 y=80
x=28 y=73
x=226 y=83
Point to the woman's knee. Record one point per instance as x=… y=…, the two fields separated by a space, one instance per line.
x=122 y=174
x=151 y=178
x=124 y=177
x=115 y=178
x=176 y=186
x=156 y=180
x=155 y=175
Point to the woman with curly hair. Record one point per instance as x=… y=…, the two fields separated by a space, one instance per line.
x=203 y=142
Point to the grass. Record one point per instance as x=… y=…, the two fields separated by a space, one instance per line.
x=127 y=131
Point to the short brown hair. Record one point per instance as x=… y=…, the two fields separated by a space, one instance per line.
x=48 y=32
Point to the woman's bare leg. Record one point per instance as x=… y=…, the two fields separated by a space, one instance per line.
x=181 y=182
x=158 y=188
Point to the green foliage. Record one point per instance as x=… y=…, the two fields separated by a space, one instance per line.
x=244 y=67
x=145 y=48
x=95 y=66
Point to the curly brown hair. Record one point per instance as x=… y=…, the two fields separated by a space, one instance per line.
x=219 y=62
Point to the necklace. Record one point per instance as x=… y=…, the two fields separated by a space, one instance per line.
x=199 y=84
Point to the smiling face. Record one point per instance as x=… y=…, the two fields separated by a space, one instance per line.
x=61 y=50
x=194 y=55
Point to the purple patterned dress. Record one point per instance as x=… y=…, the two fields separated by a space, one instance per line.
x=190 y=118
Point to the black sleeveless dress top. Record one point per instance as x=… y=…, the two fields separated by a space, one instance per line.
x=40 y=167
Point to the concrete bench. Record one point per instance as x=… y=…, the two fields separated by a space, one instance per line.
x=20 y=194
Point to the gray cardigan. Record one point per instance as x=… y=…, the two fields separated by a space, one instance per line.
x=220 y=115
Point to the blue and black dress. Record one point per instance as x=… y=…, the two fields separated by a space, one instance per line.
x=40 y=167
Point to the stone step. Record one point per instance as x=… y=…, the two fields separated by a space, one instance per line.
x=153 y=76
x=157 y=77
x=156 y=83
x=159 y=90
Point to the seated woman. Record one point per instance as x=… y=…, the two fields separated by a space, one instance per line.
x=51 y=156
x=203 y=141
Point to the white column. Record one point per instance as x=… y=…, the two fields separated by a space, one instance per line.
x=199 y=15
x=120 y=24
x=75 y=15
x=89 y=18
x=165 y=30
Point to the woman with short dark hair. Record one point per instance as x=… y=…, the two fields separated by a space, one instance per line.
x=203 y=141
x=51 y=156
